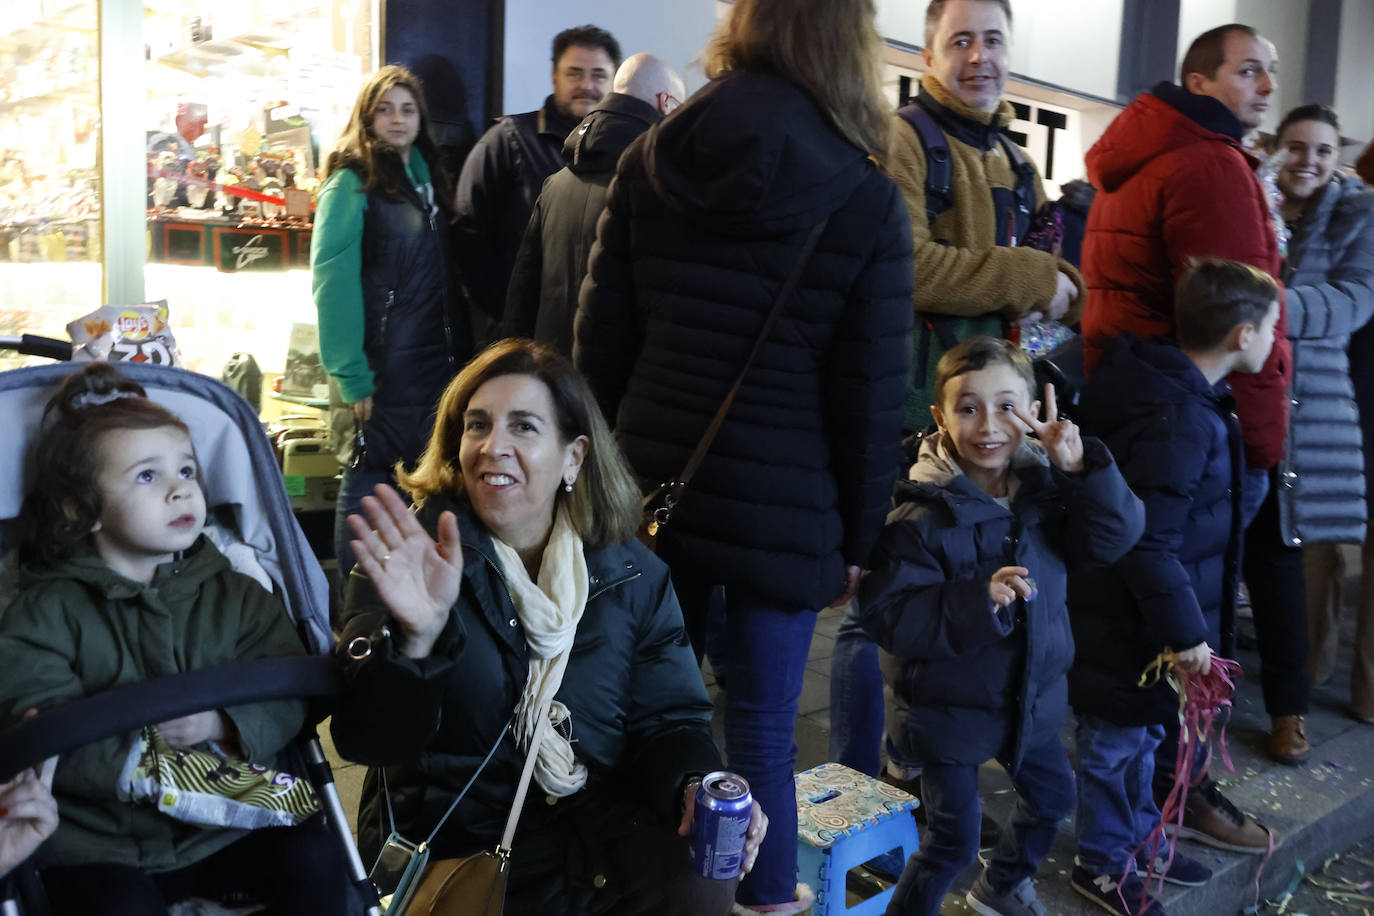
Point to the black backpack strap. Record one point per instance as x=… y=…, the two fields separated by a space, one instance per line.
x=1025 y=186
x=939 y=168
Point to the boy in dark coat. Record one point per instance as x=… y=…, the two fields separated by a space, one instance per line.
x=1165 y=411
x=968 y=588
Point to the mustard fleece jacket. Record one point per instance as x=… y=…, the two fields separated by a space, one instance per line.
x=960 y=268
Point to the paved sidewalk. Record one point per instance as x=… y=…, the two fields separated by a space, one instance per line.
x=1318 y=809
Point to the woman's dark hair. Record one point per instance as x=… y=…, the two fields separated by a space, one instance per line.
x=1215 y=295
x=1314 y=112
x=605 y=503
x=378 y=165
x=63 y=503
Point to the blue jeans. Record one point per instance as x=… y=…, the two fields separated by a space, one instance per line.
x=856 y=697
x=353 y=486
x=1116 y=805
x=764 y=661
x=1045 y=788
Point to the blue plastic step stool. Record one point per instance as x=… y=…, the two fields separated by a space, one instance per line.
x=844 y=819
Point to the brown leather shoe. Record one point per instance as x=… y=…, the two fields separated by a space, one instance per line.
x=1209 y=817
x=1288 y=740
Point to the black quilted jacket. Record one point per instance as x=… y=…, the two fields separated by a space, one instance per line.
x=703 y=223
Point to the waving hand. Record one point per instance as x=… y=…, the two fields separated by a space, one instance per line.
x=415 y=576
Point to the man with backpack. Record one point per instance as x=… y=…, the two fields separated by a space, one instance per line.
x=972 y=194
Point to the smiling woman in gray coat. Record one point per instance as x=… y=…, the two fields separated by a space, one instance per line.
x=1330 y=278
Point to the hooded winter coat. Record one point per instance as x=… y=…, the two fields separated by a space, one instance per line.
x=1177 y=443
x=641 y=723
x=542 y=299
x=984 y=682
x=705 y=220
x=1175 y=184
x=1330 y=278
x=82 y=628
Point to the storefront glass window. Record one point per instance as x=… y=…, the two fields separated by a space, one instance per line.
x=244 y=98
x=49 y=141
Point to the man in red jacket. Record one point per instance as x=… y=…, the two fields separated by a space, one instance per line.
x=1176 y=184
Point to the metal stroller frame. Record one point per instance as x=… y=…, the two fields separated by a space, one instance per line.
x=222 y=424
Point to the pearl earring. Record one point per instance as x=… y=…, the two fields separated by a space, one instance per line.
x=567 y=488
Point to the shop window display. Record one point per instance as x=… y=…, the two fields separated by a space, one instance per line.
x=49 y=136
x=241 y=96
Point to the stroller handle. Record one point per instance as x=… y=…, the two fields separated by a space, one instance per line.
x=128 y=707
x=33 y=345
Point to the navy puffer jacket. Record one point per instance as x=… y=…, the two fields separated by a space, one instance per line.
x=1178 y=444
x=1330 y=278
x=983 y=682
x=706 y=217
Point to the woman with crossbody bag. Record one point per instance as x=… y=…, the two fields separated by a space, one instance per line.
x=517 y=586
x=709 y=216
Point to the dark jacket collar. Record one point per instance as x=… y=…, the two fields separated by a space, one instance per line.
x=1205 y=110
x=553 y=122
x=607 y=566
x=176 y=578
x=595 y=145
x=975 y=132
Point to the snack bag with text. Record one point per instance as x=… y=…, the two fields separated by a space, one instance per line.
x=125 y=333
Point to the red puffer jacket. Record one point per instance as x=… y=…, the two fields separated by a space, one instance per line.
x=1176 y=184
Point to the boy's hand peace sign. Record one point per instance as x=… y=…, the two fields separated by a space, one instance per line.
x=1059 y=436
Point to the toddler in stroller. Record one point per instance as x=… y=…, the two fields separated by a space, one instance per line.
x=121 y=585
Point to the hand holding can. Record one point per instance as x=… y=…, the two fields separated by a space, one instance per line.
x=726 y=825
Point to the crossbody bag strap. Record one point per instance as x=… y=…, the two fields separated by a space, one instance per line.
x=541 y=725
x=386 y=790
x=784 y=293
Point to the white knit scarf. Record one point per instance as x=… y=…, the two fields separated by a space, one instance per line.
x=550 y=612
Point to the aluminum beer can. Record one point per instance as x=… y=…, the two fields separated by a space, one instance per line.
x=719 y=825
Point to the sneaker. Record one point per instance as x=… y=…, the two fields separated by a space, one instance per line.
x=1183 y=870
x=1124 y=898
x=1019 y=901
x=1211 y=819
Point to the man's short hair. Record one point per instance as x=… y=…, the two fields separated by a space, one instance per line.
x=937 y=9
x=979 y=352
x=587 y=36
x=1215 y=296
x=1208 y=51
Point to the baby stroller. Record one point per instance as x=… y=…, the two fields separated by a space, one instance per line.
x=245 y=495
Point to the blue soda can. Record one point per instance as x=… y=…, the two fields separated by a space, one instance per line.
x=719 y=825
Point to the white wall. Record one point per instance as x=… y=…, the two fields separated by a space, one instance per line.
x=1075 y=44
x=675 y=31
x=1284 y=22
x=1048 y=39
x=1354 y=86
